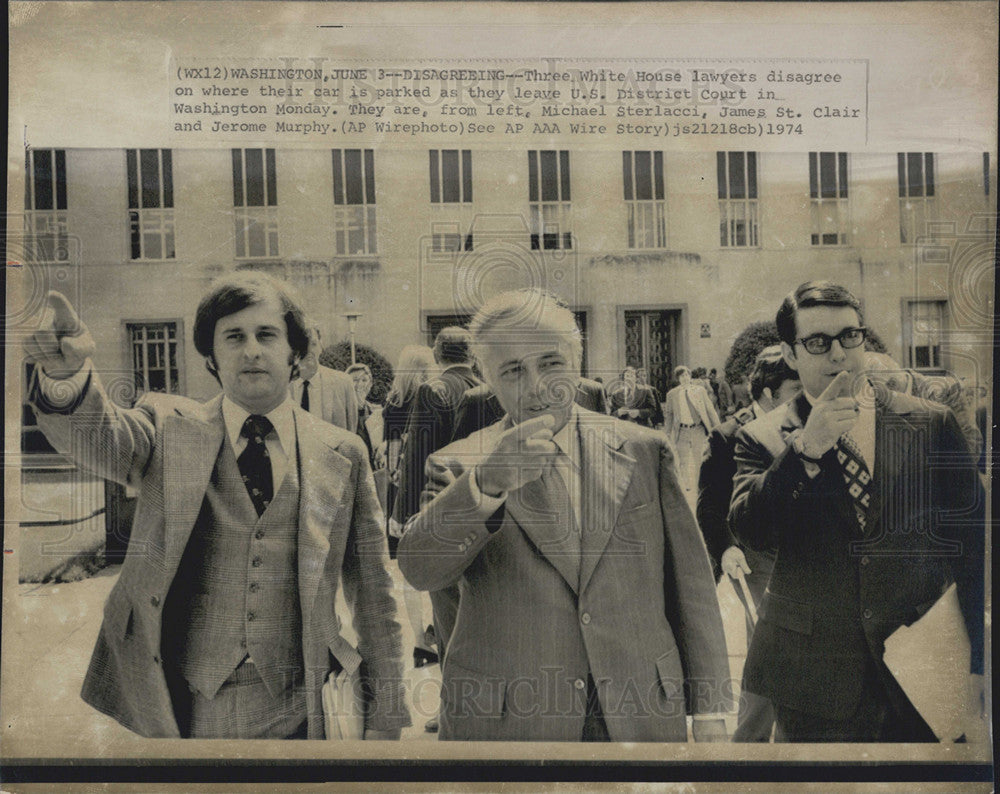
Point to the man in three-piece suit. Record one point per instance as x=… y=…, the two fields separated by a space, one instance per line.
x=324 y=392
x=480 y=407
x=874 y=506
x=588 y=608
x=251 y=512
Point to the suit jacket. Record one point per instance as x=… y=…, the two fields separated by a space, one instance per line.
x=835 y=595
x=644 y=399
x=715 y=490
x=167 y=447
x=430 y=427
x=641 y=616
x=480 y=407
x=331 y=397
x=702 y=410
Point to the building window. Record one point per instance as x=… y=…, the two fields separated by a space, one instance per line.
x=354 y=201
x=451 y=199
x=986 y=173
x=255 y=199
x=45 y=205
x=644 y=198
x=829 y=218
x=738 y=210
x=923 y=328
x=154 y=357
x=150 y=203
x=916 y=194
x=549 y=198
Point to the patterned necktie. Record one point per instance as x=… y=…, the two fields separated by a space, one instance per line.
x=255 y=462
x=856 y=476
x=305 y=395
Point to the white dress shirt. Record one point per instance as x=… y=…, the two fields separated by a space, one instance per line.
x=280 y=442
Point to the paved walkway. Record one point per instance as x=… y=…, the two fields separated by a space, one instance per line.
x=52 y=629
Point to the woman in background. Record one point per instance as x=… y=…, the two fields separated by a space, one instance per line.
x=415 y=366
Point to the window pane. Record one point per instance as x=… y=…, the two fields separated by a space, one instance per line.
x=352 y=175
x=60 y=179
x=550 y=177
x=338 y=177
x=827 y=175
x=43 y=179
x=369 y=176
x=929 y=174
x=254 y=159
x=435 y=183
x=643 y=177
x=149 y=169
x=737 y=184
x=132 y=169
x=449 y=175
x=466 y=175
x=842 y=160
x=914 y=174
x=532 y=176
x=564 y=173
x=272 y=179
x=720 y=172
x=627 y=176
x=238 y=178
x=752 y=174
x=813 y=175
x=901 y=168
x=658 y=174
x=168 y=178
x=133 y=222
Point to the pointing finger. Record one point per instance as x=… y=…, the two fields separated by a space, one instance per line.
x=836 y=387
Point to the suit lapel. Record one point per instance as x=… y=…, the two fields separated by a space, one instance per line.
x=323 y=477
x=191 y=446
x=606 y=474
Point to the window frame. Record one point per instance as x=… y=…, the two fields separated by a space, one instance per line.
x=158 y=219
x=737 y=210
x=545 y=212
x=653 y=209
x=255 y=223
x=354 y=217
x=821 y=202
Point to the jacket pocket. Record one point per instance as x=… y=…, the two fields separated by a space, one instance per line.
x=786 y=613
x=670 y=674
x=470 y=695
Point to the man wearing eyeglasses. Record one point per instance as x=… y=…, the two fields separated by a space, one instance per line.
x=873 y=504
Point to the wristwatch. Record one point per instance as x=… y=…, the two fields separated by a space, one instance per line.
x=795 y=441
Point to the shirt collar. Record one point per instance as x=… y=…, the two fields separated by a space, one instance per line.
x=281 y=417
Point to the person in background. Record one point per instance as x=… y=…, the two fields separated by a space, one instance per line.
x=369 y=414
x=723 y=394
x=633 y=401
x=415 y=367
x=825 y=481
x=689 y=418
x=324 y=392
x=772 y=383
x=222 y=623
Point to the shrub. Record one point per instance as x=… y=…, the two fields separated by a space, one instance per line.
x=747 y=346
x=338 y=356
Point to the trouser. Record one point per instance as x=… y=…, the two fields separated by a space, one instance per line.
x=243 y=709
x=876 y=719
x=690 y=449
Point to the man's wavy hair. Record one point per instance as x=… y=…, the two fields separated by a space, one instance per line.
x=235 y=292
x=808 y=295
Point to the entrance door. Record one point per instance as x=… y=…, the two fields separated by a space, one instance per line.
x=651 y=344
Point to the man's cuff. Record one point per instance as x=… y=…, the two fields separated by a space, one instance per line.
x=700 y=717
x=486 y=502
x=60 y=395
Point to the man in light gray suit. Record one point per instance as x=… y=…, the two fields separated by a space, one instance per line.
x=324 y=392
x=250 y=514
x=588 y=608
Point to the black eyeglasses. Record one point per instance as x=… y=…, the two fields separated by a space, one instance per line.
x=849 y=338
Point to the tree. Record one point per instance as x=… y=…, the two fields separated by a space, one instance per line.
x=338 y=356
x=747 y=346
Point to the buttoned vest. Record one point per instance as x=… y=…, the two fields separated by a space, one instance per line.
x=236 y=592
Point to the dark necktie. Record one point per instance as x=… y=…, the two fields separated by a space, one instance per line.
x=856 y=476
x=305 y=395
x=255 y=463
